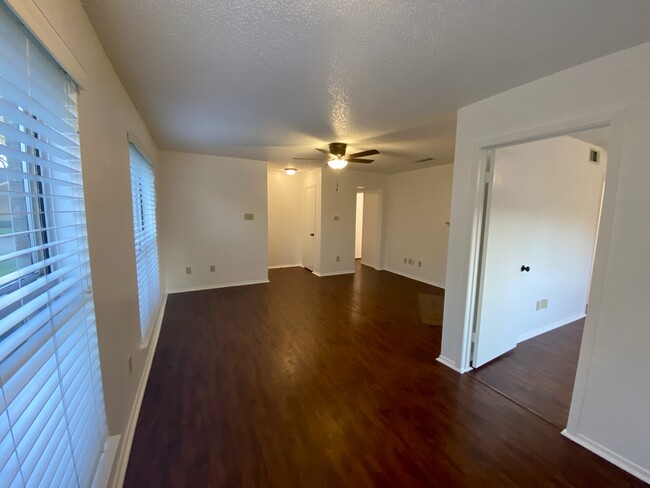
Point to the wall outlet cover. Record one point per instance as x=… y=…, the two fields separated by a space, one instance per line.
x=249 y=216
x=188 y=270
x=213 y=268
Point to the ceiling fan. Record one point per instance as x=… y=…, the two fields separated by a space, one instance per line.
x=336 y=157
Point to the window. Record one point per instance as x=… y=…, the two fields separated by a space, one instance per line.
x=52 y=420
x=143 y=192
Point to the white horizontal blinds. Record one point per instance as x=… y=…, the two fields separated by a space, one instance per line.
x=52 y=420
x=146 y=247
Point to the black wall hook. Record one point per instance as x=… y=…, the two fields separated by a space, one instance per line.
x=525 y=268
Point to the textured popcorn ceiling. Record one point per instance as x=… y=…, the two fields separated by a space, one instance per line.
x=272 y=79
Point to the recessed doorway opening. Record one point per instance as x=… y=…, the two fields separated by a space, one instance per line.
x=540 y=219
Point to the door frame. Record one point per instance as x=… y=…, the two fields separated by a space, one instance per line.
x=615 y=122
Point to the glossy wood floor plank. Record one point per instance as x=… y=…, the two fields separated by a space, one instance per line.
x=332 y=382
x=549 y=362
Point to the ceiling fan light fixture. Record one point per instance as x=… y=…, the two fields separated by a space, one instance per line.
x=290 y=171
x=338 y=163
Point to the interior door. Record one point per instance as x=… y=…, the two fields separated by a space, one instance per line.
x=309 y=231
x=506 y=246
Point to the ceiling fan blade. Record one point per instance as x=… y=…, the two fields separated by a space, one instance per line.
x=309 y=159
x=323 y=151
x=354 y=160
x=361 y=154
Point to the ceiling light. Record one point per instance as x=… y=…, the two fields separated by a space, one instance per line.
x=290 y=171
x=337 y=163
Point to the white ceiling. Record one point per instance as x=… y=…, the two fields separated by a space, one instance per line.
x=272 y=79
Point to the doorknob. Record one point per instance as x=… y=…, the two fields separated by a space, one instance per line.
x=525 y=268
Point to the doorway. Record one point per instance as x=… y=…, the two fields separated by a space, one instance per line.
x=358 y=232
x=309 y=229
x=540 y=220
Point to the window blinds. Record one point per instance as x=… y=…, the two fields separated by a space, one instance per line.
x=146 y=247
x=52 y=420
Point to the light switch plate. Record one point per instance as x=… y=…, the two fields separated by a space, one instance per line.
x=249 y=216
x=188 y=270
x=213 y=268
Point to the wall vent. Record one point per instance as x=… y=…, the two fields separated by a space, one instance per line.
x=594 y=156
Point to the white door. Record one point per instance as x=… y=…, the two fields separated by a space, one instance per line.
x=309 y=231
x=505 y=250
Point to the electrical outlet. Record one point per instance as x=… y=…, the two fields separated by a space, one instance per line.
x=537 y=305
x=411 y=261
x=130 y=362
x=405 y=260
x=249 y=216
x=419 y=264
x=338 y=258
x=213 y=268
x=543 y=303
x=188 y=270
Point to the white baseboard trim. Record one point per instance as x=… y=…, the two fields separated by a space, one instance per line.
x=450 y=364
x=413 y=277
x=220 y=285
x=106 y=460
x=119 y=469
x=547 y=328
x=280 y=266
x=616 y=459
x=335 y=273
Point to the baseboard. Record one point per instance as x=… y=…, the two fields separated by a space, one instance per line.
x=413 y=277
x=280 y=266
x=548 y=328
x=335 y=273
x=124 y=451
x=616 y=459
x=106 y=460
x=220 y=285
x=450 y=364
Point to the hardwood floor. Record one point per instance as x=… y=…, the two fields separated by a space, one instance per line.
x=548 y=362
x=332 y=382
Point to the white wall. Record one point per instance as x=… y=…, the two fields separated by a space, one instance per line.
x=106 y=113
x=358 y=232
x=285 y=194
x=202 y=203
x=418 y=206
x=544 y=214
x=610 y=412
x=338 y=237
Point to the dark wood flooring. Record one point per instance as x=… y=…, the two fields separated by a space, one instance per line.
x=332 y=382
x=539 y=374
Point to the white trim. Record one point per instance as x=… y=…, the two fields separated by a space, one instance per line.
x=450 y=364
x=103 y=473
x=333 y=273
x=547 y=328
x=38 y=24
x=616 y=459
x=220 y=285
x=119 y=469
x=280 y=266
x=413 y=277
